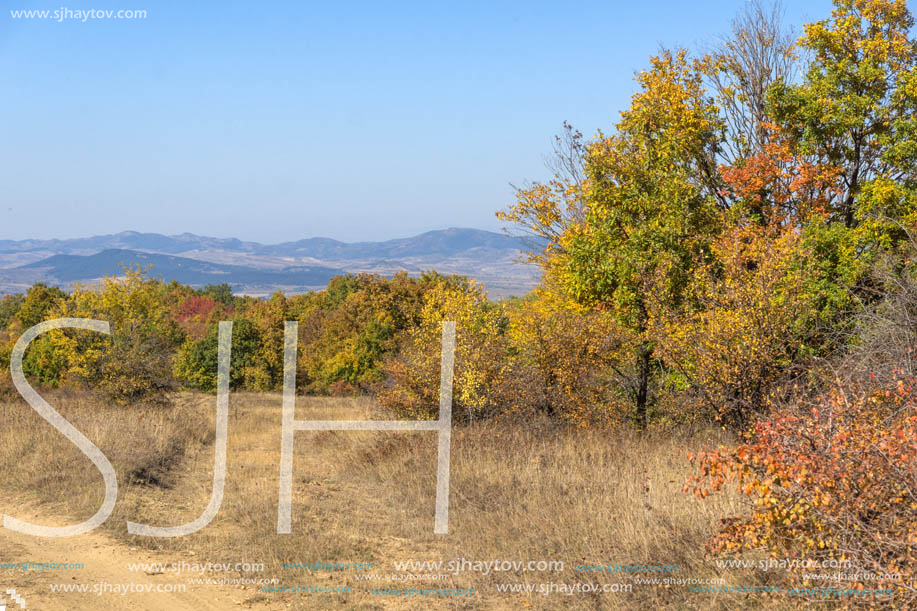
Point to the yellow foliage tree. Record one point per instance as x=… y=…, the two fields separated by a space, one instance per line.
x=748 y=322
x=481 y=355
x=570 y=359
x=134 y=362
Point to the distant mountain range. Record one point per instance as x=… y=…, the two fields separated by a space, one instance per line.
x=76 y=268
x=259 y=269
x=444 y=242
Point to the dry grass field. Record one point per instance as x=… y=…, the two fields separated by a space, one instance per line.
x=519 y=492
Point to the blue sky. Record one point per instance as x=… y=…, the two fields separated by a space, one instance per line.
x=278 y=121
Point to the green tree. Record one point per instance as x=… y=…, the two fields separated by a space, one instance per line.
x=855 y=109
x=360 y=319
x=133 y=363
x=652 y=198
x=40 y=300
x=221 y=293
x=195 y=363
x=9 y=308
x=265 y=370
x=854 y=118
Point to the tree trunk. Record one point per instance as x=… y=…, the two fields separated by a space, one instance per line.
x=643 y=373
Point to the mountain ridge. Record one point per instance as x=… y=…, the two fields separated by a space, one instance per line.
x=456 y=238
x=255 y=268
x=109 y=262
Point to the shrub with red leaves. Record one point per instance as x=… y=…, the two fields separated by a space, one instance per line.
x=833 y=480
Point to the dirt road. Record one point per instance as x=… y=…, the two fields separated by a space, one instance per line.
x=106 y=563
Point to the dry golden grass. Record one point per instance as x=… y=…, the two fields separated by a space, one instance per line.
x=144 y=446
x=519 y=491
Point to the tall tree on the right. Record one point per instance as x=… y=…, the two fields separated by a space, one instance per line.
x=856 y=109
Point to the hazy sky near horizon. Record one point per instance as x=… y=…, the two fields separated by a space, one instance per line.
x=278 y=121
